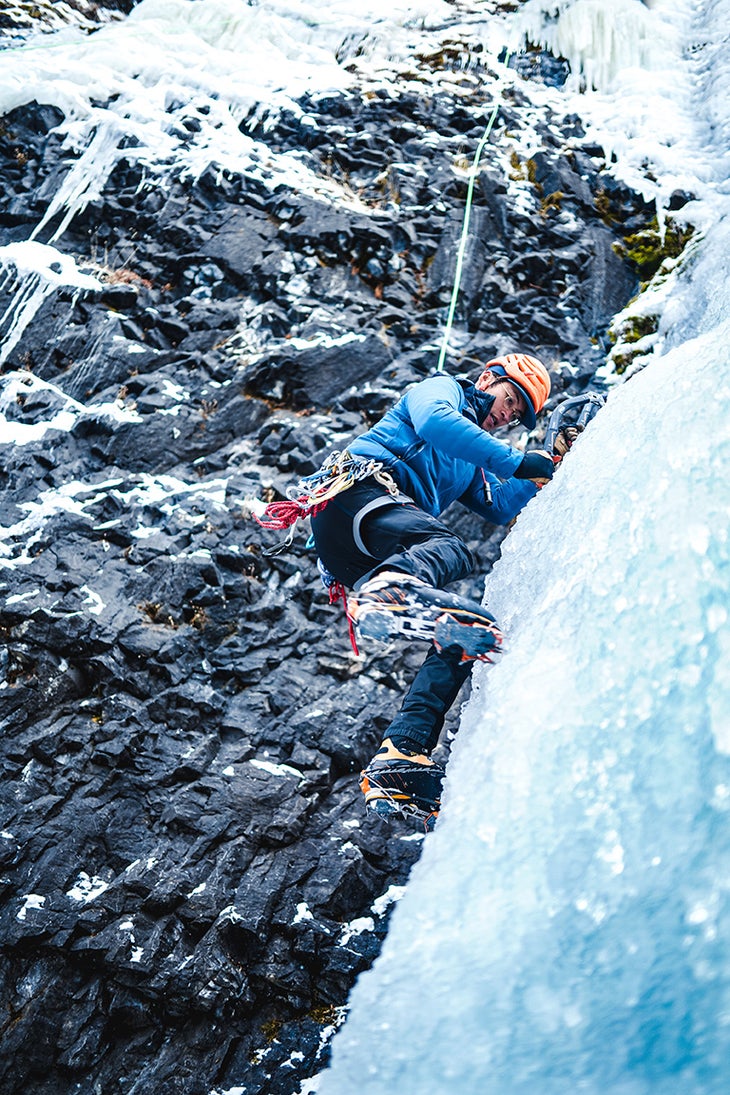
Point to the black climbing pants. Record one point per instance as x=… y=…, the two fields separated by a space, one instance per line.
x=363 y=530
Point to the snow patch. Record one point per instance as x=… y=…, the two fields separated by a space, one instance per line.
x=356 y=927
x=30 y=901
x=87 y=888
x=283 y=770
x=383 y=903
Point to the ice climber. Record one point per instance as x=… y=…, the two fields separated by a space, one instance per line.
x=382 y=539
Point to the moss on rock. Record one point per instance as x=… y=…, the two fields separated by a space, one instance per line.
x=648 y=248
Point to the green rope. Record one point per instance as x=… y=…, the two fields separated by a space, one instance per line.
x=465 y=232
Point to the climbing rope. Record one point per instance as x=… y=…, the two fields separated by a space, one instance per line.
x=338 y=594
x=465 y=229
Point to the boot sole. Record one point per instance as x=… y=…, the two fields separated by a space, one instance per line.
x=475 y=639
x=386 y=808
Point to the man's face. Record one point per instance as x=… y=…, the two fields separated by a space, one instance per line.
x=509 y=403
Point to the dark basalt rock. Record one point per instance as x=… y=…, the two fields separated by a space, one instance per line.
x=315 y=378
x=182 y=840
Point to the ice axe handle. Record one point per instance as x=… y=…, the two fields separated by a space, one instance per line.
x=590 y=403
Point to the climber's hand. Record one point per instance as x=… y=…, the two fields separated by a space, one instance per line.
x=564 y=440
x=537 y=466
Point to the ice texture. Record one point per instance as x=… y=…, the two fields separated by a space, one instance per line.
x=568 y=925
x=597 y=39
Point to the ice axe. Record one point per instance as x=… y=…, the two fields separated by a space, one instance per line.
x=577 y=411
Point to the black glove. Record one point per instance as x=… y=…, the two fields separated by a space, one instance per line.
x=536 y=465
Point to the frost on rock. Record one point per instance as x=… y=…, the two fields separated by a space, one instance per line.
x=34 y=271
x=86 y=888
x=31 y=901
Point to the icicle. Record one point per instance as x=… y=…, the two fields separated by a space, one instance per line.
x=31 y=294
x=85 y=180
x=38 y=271
x=597 y=39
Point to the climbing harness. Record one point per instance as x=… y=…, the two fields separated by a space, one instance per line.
x=465 y=230
x=576 y=411
x=312 y=493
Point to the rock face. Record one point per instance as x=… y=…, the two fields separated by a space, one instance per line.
x=189 y=884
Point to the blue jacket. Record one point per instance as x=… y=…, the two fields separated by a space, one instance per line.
x=432 y=443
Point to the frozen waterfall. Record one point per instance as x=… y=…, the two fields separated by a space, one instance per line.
x=568 y=926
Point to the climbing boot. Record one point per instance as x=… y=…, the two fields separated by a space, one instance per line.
x=395 y=603
x=402 y=781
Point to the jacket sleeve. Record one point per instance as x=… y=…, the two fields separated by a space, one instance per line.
x=435 y=407
x=507 y=498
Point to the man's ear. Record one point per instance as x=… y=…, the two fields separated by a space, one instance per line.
x=487 y=378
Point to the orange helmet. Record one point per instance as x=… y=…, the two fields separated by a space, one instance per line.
x=530 y=376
